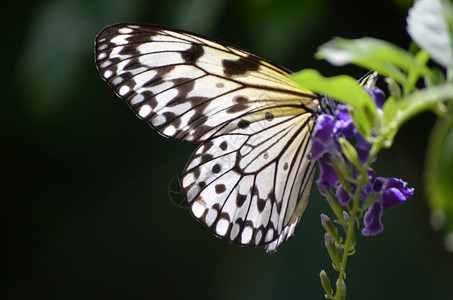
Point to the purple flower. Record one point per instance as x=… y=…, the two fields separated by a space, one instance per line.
x=378 y=97
x=342 y=195
x=391 y=191
x=326 y=151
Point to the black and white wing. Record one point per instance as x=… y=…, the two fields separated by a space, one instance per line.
x=250 y=179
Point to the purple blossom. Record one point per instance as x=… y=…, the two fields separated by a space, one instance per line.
x=326 y=151
x=326 y=148
x=391 y=191
x=378 y=97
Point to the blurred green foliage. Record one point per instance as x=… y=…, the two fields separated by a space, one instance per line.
x=85 y=207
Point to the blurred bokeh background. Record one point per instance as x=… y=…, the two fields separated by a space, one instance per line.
x=85 y=210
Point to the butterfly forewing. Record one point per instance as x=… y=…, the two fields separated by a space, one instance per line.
x=250 y=172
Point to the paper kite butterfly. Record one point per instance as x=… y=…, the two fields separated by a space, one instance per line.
x=249 y=180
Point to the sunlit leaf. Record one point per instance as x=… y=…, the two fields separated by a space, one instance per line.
x=372 y=54
x=430 y=24
x=343 y=88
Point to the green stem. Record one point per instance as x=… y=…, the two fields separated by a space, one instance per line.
x=426 y=99
x=349 y=239
x=353 y=217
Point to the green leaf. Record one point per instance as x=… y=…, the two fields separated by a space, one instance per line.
x=430 y=24
x=342 y=88
x=372 y=54
x=439 y=173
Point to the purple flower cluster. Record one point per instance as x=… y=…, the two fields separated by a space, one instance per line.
x=327 y=152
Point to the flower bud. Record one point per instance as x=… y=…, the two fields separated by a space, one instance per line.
x=341 y=169
x=349 y=151
x=333 y=249
x=346 y=216
x=330 y=227
x=346 y=219
x=333 y=202
x=325 y=281
x=343 y=289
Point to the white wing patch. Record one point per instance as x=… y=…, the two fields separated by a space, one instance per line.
x=248 y=180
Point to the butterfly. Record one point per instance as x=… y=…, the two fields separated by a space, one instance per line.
x=249 y=180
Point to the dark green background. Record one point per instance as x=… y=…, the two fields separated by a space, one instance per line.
x=84 y=204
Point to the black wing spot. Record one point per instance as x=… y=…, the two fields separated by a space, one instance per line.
x=243 y=124
x=269 y=116
x=241 y=104
x=220 y=188
x=241 y=99
x=240 y=199
x=226 y=217
x=192 y=54
x=201 y=184
x=196 y=173
x=223 y=145
x=130 y=51
x=216 y=168
x=216 y=207
x=240 y=66
x=206 y=157
x=261 y=204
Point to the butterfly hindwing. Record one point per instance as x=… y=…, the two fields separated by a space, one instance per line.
x=245 y=185
x=250 y=173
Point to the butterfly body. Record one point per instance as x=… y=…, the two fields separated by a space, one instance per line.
x=249 y=181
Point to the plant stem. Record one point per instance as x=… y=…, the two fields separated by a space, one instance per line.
x=349 y=238
x=423 y=100
x=353 y=218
